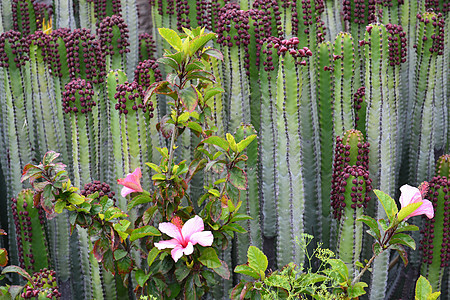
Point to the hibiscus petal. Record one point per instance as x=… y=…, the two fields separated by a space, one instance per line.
x=204 y=238
x=171 y=230
x=125 y=191
x=192 y=226
x=167 y=244
x=177 y=252
x=425 y=209
x=189 y=249
x=409 y=194
x=132 y=180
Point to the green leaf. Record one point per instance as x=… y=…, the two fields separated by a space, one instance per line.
x=59 y=206
x=121 y=227
x=139 y=199
x=402 y=252
x=209 y=258
x=181 y=272
x=423 y=288
x=357 y=290
x=223 y=270
x=199 y=74
x=232 y=142
x=18 y=270
x=159 y=177
x=244 y=143
x=339 y=270
x=213 y=53
x=238 y=178
x=168 y=61
x=199 y=42
x=49 y=157
x=407 y=210
x=388 y=204
x=155 y=167
x=144 y=231
x=3 y=257
x=189 y=98
x=171 y=37
x=246 y=270
x=240 y=217
x=195 y=127
x=195 y=65
x=234 y=227
x=217 y=141
x=211 y=92
x=257 y=260
x=76 y=199
x=403 y=226
x=141 y=277
x=119 y=254
x=152 y=255
x=369 y=221
x=403 y=239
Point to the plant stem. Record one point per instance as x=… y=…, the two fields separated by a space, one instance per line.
x=356 y=279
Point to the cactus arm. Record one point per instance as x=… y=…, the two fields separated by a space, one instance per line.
x=6 y=16
x=433 y=246
x=64 y=15
x=87 y=14
x=130 y=14
x=268 y=141
x=290 y=206
x=325 y=109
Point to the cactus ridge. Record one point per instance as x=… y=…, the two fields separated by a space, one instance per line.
x=434 y=244
x=443 y=166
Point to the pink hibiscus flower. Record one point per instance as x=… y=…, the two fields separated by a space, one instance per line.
x=131 y=183
x=184 y=237
x=411 y=195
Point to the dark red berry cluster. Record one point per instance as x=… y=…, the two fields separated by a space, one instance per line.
x=101 y=8
x=362 y=13
x=397 y=44
x=147 y=47
x=96 y=186
x=290 y=46
x=130 y=97
x=438 y=23
x=358 y=99
x=84 y=56
x=142 y=73
x=105 y=34
x=22 y=11
x=19 y=49
x=45 y=283
x=78 y=97
x=273 y=13
x=22 y=223
x=361 y=186
x=438 y=186
x=437 y=5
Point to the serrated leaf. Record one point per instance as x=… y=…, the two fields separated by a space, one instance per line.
x=181 y=272
x=403 y=239
x=139 y=199
x=141 y=277
x=389 y=205
x=119 y=254
x=199 y=42
x=168 y=61
x=339 y=270
x=3 y=257
x=171 y=37
x=217 y=141
x=423 y=288
x=211 y=92
x=244 y=143
x=357 y=290
x=240 y=217
x=76 y=199
x=195 y=127
x=152 y=255
x=144 y=231
x=18 y=270
x=403 y=226
x=189 y=98
x=125 y=265
x=213 y=53
x=246 y=270
x=407 y=210
x=209 y=258
x=223 y=270
x=49 y=157
x=257 y=260
x=238 y=178
x=369 y=221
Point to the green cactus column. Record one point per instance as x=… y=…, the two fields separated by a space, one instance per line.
x=434 y=243
x=30 y=230
x=381 y=127
x=351 y=186
x=290 y=161
x=425 y=105
x=443 y=166
x=6 y=22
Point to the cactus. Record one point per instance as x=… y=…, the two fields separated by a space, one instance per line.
x=351 y=186
x=434 y=244
x=424 y=109
x=27 y=15
x=443 y=166
x=45 y=286
x=30 y=232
